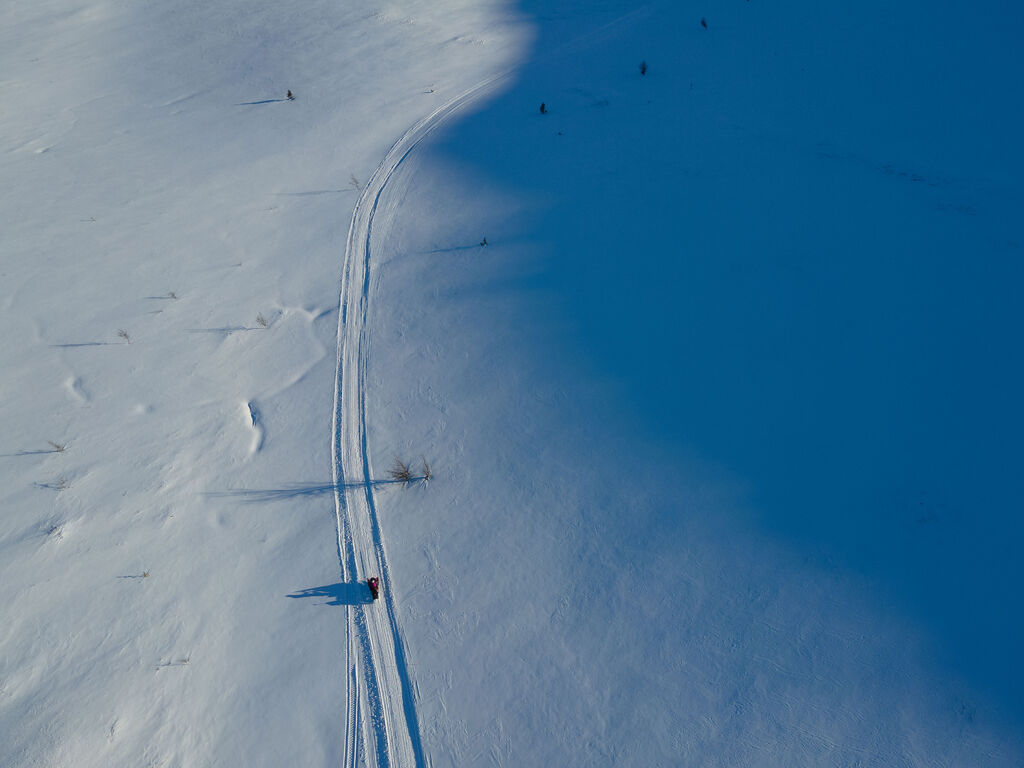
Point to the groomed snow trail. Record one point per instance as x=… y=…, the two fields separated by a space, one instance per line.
x=381 y=707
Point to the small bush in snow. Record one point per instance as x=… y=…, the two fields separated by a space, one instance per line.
x=184 y=662
x=124 y=335
x=426 y=469
x=400 y=472
x=354 y=182
x=261 y=321
x=57 y=447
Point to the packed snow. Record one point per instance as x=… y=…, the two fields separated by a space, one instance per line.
x=705 y=376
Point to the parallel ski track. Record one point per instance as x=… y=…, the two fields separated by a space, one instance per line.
x=381 y=707
x=380 y=692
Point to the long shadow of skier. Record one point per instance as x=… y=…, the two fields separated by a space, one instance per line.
x=342 y=593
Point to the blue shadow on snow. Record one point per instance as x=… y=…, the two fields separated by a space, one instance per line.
x=342 y=593
x=842 y=338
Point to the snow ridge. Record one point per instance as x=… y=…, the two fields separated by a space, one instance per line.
x=377 y=672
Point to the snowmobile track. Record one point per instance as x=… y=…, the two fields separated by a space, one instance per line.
x=381 y=705
x=382 y=727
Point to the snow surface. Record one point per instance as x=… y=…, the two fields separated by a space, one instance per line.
x=723 y=421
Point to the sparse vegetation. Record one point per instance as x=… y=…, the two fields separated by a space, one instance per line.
x=57 y=447
x=124 y=335
x=400 y=472
x=172 y=295
x=354 y=182
x=261 y=321
x=183 y=662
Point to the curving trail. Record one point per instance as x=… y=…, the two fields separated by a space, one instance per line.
x=381 y=724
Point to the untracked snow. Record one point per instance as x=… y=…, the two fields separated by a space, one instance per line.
x=712 y=368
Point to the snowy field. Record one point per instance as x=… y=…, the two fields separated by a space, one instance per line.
x=722 y=421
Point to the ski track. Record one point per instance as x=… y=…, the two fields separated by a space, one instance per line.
x=381 y=694
x=382 y=727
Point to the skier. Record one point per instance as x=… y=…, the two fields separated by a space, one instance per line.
x=374 y=583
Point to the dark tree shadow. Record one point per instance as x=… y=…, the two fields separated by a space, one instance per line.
x=313 y=192
x=56 y=485
x=89 y=344
x=342 y=593
x=254 y=103
x=227 y=329
x=296 y=490
x=455 y=248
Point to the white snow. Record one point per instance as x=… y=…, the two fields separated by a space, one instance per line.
x=722 y=422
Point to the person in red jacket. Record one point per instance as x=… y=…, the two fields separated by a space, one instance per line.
x=374 y=584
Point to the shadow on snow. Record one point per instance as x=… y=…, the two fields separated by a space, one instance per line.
x=342 y=593
x=296 y=490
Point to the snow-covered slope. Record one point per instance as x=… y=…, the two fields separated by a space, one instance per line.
x=155 y=181
x=721 y=420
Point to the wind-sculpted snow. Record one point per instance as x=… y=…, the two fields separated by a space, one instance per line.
x=145 y=190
